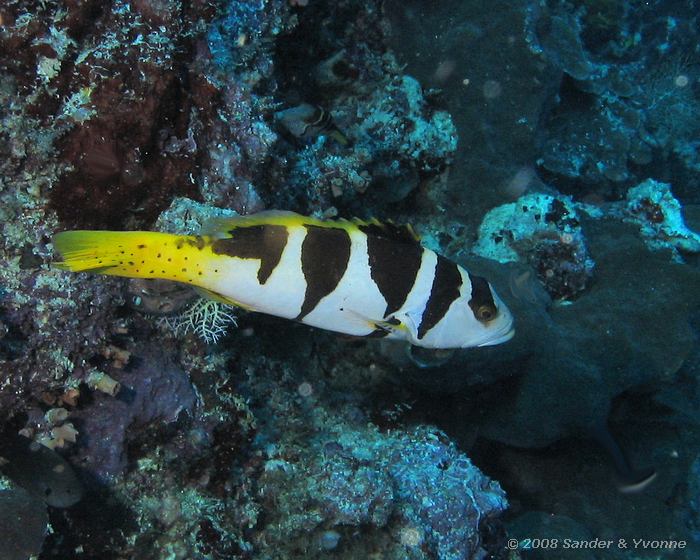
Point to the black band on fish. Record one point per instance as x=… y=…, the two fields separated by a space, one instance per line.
x=325 y=253
x=265 y=242
x=319 y=122
x=444 y=291
x=393 y=267
x=481 y=302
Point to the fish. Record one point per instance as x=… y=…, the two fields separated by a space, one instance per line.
x=308 y=121
x=357 y=277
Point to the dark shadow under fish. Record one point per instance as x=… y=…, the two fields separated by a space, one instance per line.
x=425 y=358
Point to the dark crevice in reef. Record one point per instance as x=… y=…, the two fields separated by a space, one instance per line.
x=297 y=53
x=121 y=174
x=97 y=526
x=12 y=341
x=125 y=170
x=323 y=31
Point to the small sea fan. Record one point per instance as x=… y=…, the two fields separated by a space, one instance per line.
x=208 y=319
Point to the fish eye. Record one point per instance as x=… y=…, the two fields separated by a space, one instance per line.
x=136 y=300
x=486 y=313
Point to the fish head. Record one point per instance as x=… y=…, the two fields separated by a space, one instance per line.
x=477 y=318
x=496 y=324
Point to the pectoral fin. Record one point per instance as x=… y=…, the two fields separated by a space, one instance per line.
x=208 y=294
x=386 y=327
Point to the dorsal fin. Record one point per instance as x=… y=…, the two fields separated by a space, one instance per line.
x=389 y=230
x=220 y=227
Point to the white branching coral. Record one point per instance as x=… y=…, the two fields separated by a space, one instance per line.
x=77 y=107
x=209 y=320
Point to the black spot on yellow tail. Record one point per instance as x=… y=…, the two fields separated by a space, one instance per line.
x=97 y=251
x=131 y=254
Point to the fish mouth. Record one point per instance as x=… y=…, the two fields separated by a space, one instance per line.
x=499 y=340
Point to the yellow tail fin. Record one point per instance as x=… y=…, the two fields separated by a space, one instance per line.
x=132 y=254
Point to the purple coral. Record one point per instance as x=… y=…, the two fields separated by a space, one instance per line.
x=442 y=494
x=155 y=390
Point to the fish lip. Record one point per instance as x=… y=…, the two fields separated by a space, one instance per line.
x=501 y=339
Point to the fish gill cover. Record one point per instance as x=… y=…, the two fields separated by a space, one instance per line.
x=551 y=147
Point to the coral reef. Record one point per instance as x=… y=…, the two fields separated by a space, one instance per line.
x=626 y=105
x=395 y=145
x=496 y=90
x=422 y=490
x=545 y=232
x=652 y=207
x=41 y=341
x=237 y=139
x=558 y=394
x=327 y=469
x=390 y=136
